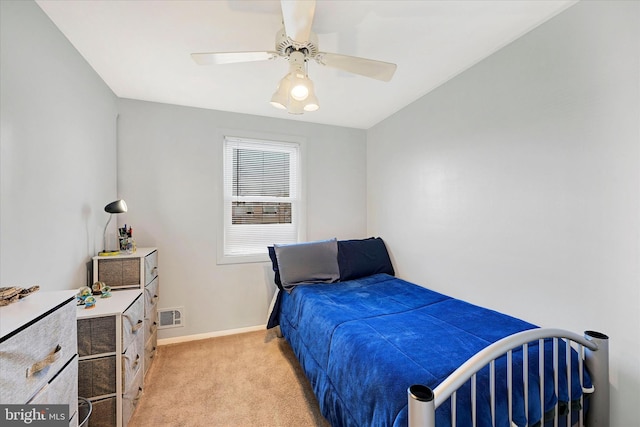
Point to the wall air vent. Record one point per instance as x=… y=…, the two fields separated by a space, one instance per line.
x=171 y=318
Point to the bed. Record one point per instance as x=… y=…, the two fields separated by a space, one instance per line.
x=380 y=351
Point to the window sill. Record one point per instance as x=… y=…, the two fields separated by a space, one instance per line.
x=242 y=259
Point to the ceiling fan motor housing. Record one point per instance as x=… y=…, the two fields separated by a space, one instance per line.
x=285 y=45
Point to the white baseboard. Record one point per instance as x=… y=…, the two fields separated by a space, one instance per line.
x=185 y=338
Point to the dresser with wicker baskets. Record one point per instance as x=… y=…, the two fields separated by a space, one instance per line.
x=138 y=270
x=111 y=351
x=38 y=352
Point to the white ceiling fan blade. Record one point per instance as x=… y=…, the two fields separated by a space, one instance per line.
x=231 y=57
x=297 y=16
x=365 y=67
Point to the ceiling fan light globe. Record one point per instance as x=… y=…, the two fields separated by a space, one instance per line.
x=278 y=105
x=311 y=106
x=299 y=91
x=311 y=103
x=280 y=97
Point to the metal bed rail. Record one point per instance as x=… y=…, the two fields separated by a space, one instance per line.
x=592 y=349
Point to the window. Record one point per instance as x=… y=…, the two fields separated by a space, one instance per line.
x=261 y=196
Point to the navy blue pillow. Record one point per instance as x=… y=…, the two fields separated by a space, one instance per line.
x=364 y=257
x=274 y=265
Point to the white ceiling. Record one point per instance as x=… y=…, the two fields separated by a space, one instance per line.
x=141 y=49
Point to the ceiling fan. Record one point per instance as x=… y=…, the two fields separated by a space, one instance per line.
x=298 y=44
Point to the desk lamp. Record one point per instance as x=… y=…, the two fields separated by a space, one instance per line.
x=117 y=207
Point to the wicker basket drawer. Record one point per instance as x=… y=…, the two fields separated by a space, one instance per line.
x=150 y=350
x=63 y=389
x=97 y=376
x=133 y=322
x=32 y=357
x=150 y=267
x=150 y=322
x=150 y=327
x=119 y=272
x=151 y=295
x=103 y=413
x=132 y=360
x=96 y=335
x=131 y=397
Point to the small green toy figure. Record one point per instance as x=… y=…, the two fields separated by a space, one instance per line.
x=86 y=298
x=106 y=291
x=90 y=302
x=101 y=288
x=82 y=295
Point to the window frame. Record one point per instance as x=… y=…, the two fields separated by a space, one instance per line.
x=300 y=215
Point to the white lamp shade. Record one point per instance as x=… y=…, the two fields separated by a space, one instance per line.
x=280 y=98
x=311 y=103
x=295 y=92
x=299 y=87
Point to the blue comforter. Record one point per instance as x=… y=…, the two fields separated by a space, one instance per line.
x=363 y=342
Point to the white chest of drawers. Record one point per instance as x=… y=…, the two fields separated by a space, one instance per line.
x=111 y=350
x=138 y=270
x=38 y=351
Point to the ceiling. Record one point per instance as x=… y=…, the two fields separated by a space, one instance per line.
x=141 y=49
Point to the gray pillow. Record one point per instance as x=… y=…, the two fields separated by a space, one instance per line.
x=312 y=262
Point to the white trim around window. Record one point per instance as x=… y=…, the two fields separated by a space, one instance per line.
x=241 y=239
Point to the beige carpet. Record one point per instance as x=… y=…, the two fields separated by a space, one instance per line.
x=250 y=379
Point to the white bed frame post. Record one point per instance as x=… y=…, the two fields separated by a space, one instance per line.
x=422 y=410
x=597 y=363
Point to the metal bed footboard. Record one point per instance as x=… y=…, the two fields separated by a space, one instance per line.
x=593 y=348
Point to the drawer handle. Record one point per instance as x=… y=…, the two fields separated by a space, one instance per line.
x=153 y=352
x=135 y=362
x=47 y=361
x=152 y=300
x=137 y=326
x=138 y=396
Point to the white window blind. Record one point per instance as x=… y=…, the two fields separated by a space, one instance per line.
x=261 y=195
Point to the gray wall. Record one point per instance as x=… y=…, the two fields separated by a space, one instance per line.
x=57 y=153
x=169 y=172
x=516 y=185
